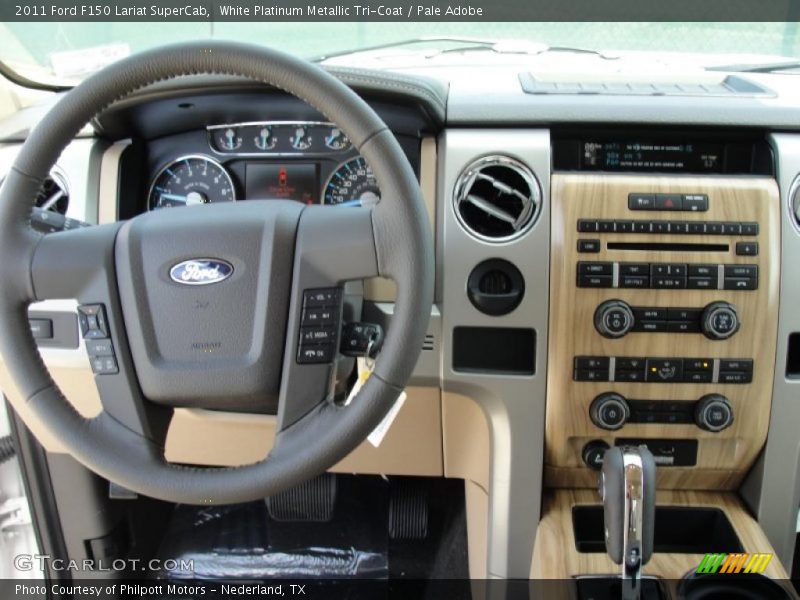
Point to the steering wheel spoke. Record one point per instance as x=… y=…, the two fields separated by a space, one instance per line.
x=334 y=245
x=79 y=264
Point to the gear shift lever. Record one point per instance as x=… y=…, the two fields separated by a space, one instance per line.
x=628 y=489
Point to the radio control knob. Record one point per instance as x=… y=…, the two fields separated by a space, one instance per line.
x=592 y=454
x=609 y=411
x=713 y=413
x=719 y=320
x=613 y=318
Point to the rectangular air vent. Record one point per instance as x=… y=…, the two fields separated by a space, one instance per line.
x=730 y=86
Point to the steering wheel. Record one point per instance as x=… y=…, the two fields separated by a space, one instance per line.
x=235 y=339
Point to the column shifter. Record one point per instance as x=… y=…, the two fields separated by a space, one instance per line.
x=628 y=490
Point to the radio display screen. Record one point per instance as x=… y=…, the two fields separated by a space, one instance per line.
x=641 y=155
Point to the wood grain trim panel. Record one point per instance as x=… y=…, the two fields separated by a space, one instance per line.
x=723 y=457
x=555 y=556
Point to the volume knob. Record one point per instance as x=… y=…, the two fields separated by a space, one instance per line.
x=713 y=413
x=719 y=320
x=613 y=318
x=609 y=411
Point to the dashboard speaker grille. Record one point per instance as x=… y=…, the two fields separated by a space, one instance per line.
x=497 y=198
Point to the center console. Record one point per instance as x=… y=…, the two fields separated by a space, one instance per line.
x=663 y=320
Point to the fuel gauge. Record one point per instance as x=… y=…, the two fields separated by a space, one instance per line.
x=301 y=138
x=337 y=140
x=264 y=140
x=228 y=139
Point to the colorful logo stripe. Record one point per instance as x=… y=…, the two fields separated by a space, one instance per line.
x=740 y=562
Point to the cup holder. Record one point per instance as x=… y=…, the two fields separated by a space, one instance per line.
x=748 y=586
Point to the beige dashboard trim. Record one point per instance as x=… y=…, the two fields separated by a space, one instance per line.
x=412 y=446
x=107 y=205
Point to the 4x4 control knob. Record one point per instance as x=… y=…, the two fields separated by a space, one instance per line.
x=609 y=411
x=613 y=318
x=593 y=453
x=719 y=320
x=713 y=413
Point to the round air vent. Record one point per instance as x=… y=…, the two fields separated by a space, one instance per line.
x=497 y=198
x=54 y=195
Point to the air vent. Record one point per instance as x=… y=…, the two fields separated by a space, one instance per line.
x=54 y=195
x=428 y=344
x=497 y=199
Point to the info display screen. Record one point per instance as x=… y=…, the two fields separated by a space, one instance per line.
x=652 y=156
x=293 y=181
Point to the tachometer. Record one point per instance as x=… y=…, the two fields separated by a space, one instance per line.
x=189 y=181
x=352 y=183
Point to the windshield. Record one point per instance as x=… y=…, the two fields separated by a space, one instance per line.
x=64 y=53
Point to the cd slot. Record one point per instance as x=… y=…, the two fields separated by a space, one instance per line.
x=668 y=247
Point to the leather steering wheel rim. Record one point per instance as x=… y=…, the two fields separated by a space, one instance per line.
x=403 y=251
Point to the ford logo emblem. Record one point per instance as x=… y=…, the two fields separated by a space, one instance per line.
x=201 y=271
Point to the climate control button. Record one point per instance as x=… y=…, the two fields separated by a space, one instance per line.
x=609 y=411
x=713 y=413
x=719 y=320
x=613 y=319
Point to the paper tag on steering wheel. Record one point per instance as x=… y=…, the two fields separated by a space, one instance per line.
x=376 y=437
x=364 y=371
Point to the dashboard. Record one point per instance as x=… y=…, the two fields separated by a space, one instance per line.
x=614 y=271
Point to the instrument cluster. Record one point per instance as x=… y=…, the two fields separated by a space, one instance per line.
x=286 y=160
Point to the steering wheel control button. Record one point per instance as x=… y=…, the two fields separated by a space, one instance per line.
x=361 y=339
x=713 y=413
x=92 y=319
x=609 y=411
x=613 y=319
x=42 y=329
x=104 y=365
x=719 y=320
x=593 y=453
x=319 y=326
x=99 y=348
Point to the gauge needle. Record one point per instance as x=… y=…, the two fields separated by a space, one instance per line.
x=173 y=197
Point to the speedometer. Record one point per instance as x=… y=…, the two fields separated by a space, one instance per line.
x=190 y=181
x=352 y=183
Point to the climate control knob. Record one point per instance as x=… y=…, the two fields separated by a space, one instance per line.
x=609 y=411
x=719 y=320
x=613 y=318
x=713 y=413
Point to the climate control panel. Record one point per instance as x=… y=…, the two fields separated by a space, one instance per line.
x=662 y=322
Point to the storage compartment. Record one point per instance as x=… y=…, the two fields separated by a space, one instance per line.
x=678 y=529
